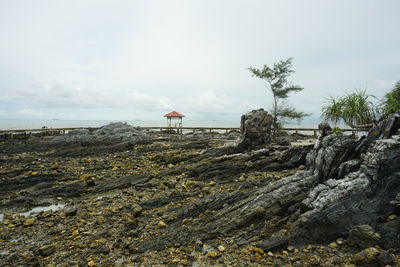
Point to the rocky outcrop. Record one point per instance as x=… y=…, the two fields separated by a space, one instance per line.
x=112 y=137
x=255 y=129
x=348 y=183
x=112 y=133
x=259 y=206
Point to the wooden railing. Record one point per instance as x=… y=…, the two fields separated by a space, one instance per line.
x=25 y=133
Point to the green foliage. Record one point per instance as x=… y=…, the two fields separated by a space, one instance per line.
x=391 y=101
x=337 y=130
x=354 y=109
x=277 y=79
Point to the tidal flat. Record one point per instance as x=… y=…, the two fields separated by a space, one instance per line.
x=157 y=200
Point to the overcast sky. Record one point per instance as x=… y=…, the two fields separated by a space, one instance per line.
x=140 y=59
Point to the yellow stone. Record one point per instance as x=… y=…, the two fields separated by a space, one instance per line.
x=86 y=176
x=76 y=232
x=333 y=245
x=29 y=221
x=114 y=169
x=259 y=251
x=161 y=224
x=213 y=254
x=212 y=183
x=221 y=248
x=34 y=173
x=189 y=183
x=175 y=260
x=50 y=224
x=392 y=217
x=270 y=254
x=91 y=263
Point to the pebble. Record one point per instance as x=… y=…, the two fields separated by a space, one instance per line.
x=213 y=254
x=71 y=212
x=86 y=176
x=29 y=221
x=161 y=224
x=333 y=245
x=46 y=250
x=221 y=248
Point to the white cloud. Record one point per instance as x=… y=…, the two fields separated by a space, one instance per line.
x=147 y=102
x=30 y=112
x=114 y=58
x=208 y=102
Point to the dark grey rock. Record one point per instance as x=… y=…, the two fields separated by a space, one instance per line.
x=348 y=182
x=255 y=129
x=385 y=128
x=46 y=250
x=324 y=129
x=364 y=236
x=71 y=212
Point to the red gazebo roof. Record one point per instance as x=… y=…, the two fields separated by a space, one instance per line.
x=174 y=114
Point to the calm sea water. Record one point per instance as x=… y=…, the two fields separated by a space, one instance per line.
x=35 y=124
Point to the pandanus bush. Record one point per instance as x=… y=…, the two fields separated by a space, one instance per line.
x=391 y=101
x=354 y=109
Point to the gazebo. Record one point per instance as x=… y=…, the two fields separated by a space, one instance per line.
x=174 y=119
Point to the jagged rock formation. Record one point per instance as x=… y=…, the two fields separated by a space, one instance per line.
x=255 y=129
x=347 y=183
x=186 y=200
x=116 y=132
x=112 y=137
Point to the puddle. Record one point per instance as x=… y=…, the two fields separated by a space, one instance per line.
x=53 y=207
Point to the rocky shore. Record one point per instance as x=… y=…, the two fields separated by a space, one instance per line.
x=123 y=196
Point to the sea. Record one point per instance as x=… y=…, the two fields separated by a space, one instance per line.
x=15 y=124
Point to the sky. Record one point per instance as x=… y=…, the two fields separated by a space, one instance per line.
x=127 y=60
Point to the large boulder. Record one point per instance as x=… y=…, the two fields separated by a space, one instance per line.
x=255 y=129
x=112 y=137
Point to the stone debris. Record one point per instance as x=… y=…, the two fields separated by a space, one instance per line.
x=193 y=200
